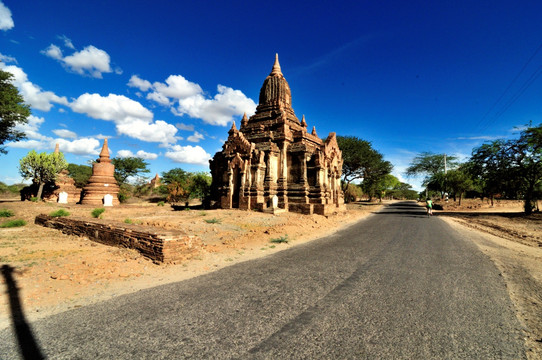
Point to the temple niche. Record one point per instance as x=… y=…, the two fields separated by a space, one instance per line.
x=272 y=162
x=102 y=188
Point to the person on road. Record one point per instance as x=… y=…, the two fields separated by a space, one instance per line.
x=429 y=206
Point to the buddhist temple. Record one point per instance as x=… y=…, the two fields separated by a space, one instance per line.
x=271 y=162
x=102 y=188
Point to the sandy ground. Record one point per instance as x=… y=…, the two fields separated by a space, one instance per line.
x=56 y=272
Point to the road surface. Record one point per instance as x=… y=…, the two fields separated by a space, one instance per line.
x=397 y=285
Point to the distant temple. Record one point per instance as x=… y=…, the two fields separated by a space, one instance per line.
x=102 y=188
x=155 y=182
x=271 y=162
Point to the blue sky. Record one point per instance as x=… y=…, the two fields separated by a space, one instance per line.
x=164 y=80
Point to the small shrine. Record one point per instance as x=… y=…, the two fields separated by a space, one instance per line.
x=273 y=163
x=102 y=188
x=62 y=190
x=65 y=190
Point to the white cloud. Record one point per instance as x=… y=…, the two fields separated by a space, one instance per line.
x=6 y=21
x=220 y=110
x=112 y=107
x=67 y=41
x=89 y=61
x=159 y=98
x=141 y=154
x=195 y=138
x=53 y=51
x=30 y=144
x=188 y=155
x=182 y=126
x=177 y=87
x=31 y=128
x=84 y=146
x=32 y=94
x=192 y=101
x=137 y=82
x=131 y=118
x=64 y=133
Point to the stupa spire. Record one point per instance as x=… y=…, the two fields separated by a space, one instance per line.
x=276 y=67
x=57 y=149
x=303 y=122
x=104 y=154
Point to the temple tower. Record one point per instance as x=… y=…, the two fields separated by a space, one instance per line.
x=272 y=159
x=102 y=188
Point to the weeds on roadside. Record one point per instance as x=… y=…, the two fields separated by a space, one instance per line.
x=203 y=213
x=128 y=221
x=13 y=223
x=59 y=213
x=280 y=240
x=160 y=203
x=97 y=213
x=34 y=199
x=213 y=221
x=6 y=213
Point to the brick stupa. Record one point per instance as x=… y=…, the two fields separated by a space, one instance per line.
x=102 y=182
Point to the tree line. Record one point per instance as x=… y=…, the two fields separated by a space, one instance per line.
x=364 y=164
x=509 y=169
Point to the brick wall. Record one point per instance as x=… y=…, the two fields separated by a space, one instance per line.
x=159 y=245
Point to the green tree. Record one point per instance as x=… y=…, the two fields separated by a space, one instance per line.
x=183 y=186
x=361 y=161
x=428 y=164
x=174 y=175
x=42 y=168
x=129 y=166
x=386 y=183
x=13 y=111
x=200 y=186
x=458 y=181
x=80 y=174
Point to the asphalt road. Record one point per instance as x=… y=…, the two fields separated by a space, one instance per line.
x=397 y=285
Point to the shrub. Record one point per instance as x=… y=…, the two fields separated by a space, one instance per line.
x=213 y=221
x=34 y=199
x=13 y=223
x=122 y=196
x=97 y=213
x=128 y=221
x=280 y=240
x=59 y=213
x=6 y=213
x=160 y=203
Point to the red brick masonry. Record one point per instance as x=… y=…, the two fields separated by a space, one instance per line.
x=162 y=246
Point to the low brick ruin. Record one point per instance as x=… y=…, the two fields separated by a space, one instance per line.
x=161 y=246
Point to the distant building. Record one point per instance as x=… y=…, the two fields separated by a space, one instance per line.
x=271 y=162
x=155 y=182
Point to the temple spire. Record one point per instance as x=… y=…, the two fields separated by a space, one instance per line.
x=276 y=66
x=244 y=120
x=303 y=122
x=57 y=149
